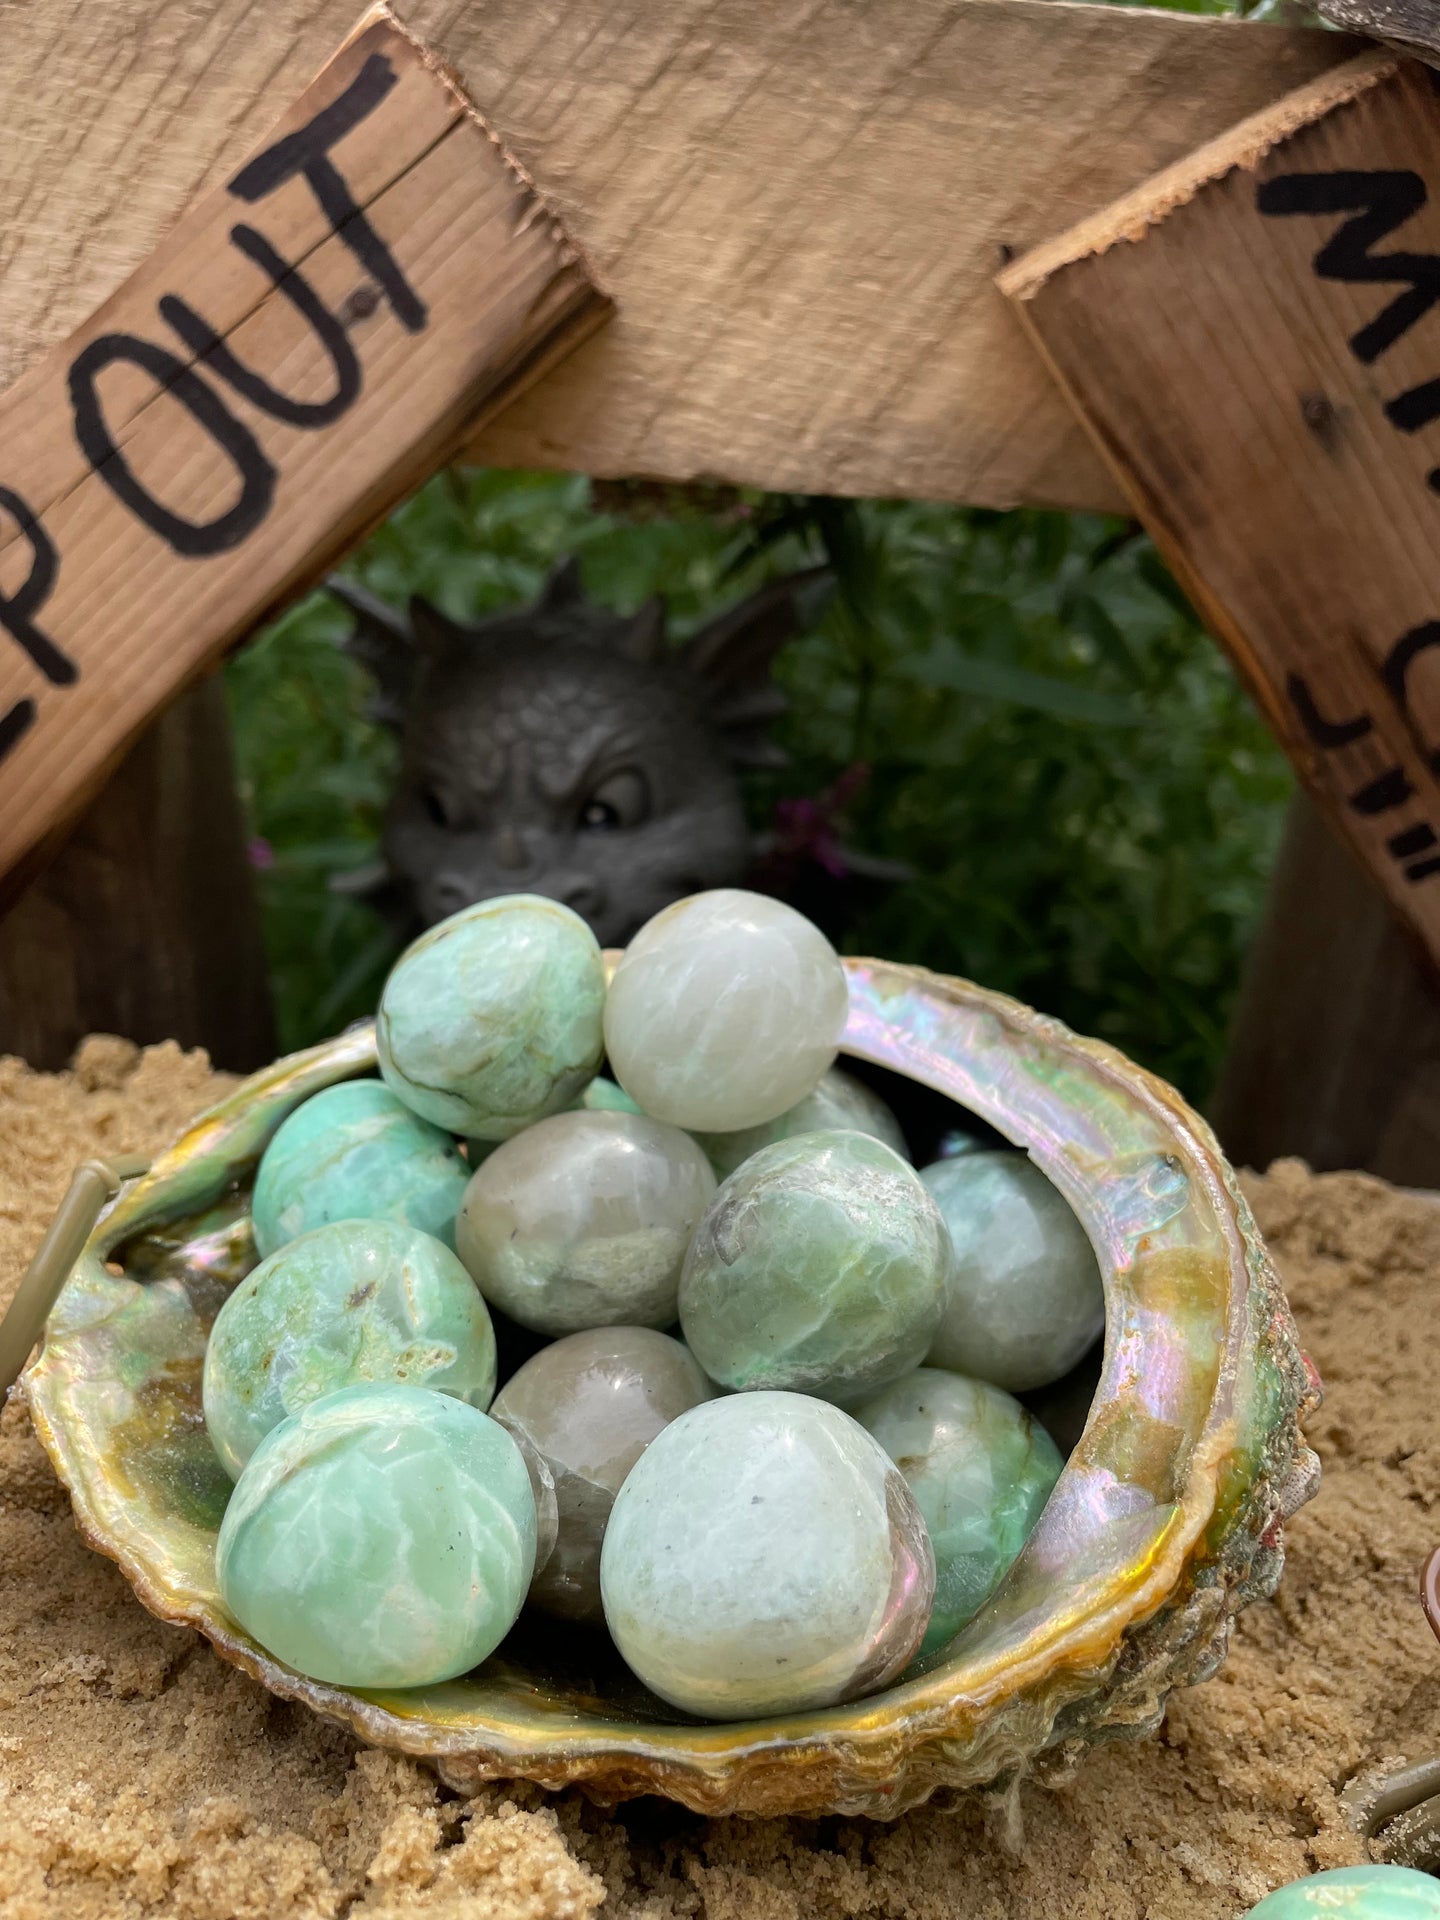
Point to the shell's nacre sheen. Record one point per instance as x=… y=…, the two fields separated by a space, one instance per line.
x=356 y=1152
x=362 y=1300
x=492 y=1019
x=820 y=1267
x=1167 y=1520
x=1355 y=1893
x=839 y=1102
x=1026 y=1300
x=383 y=1537
x=980 y=1468
x=583 y=1221
x=589 y=1405
x=724 y=1011
x=763 y=1556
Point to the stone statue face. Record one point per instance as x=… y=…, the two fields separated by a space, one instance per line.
x=565 y=751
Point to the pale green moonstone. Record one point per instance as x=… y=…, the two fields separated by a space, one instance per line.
x=589 y=1405
x=820 y=1267
x=765 y=1556
x=603 y=1096
x=355 y=1152
x=980 y=1468
x=724 y=1011
x=840 y=1101
x=1026 y=1300
x=492 y=1019
x=383 y=1537
x=1355 y=1893
x=362 y=1300
x=583 y=1221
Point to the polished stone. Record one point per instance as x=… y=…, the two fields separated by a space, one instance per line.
x=724 y=1011
x=1355 y=1893
x=765 y=1556
x=603 y=1096
x=361 y=1300
x=583 y=1221
x=1026 y=1299
x=356 y=1152
x=981 y=1470
x=840 y=1101
x=492 y=1020
x=382 y=1537
x=589 y=1405
x=820 y=1267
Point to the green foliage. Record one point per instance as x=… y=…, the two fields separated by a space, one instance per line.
x=1021 y=707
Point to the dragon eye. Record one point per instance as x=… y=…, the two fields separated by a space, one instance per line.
x=622 y=800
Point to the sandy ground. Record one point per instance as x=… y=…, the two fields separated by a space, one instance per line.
x=138 y=1775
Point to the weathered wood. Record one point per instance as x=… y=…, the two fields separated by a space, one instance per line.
x=1411 y=25
x=1334 y=1051
x=798 y=207
x=1252 y=339
x=147 y=923
x=303 y=348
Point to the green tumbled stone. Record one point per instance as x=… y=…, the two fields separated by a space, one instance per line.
x=764 y=1556
x=1354 y=1893
x=362 y=1300
x=603 y=1096
x=1026 y=1300
x=356 y=1152
x=840 y=1102
x=819 y=1267
x=383 y=1537
x=492 y=1020
x=980 y=1468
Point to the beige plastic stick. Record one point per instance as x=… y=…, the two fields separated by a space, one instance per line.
x=94 y=1182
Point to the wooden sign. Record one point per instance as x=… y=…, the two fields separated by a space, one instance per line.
x=1253 y=339
x=308 y=343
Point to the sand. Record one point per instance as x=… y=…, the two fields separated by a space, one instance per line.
x=139 y=1775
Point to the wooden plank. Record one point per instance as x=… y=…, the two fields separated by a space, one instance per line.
x=1334 y=1050
x=798 y=205
x=304 y=347
x=147 y=923
x=1411 y=25
x=1254 y=340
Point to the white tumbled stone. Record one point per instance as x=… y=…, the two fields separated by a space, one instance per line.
x=584 y=1220
x=726 y=1010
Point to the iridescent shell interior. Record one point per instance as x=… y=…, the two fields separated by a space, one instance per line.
x=1166 y=1518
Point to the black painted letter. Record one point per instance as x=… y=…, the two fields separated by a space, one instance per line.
x=207 y=345
x=1380 y=202
x=17 y=612
x=307 y=151
x=232 y=436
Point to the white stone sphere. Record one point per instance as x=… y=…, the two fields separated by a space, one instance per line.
x=726 y=1010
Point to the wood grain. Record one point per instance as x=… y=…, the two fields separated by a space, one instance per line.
x=1261 y=380
x=482 y=288
x=147 y=923
x=798 y=205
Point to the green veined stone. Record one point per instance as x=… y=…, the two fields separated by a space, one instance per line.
x=1026 y=1299
x=492 y=1019
x=383 y=1537
x=981 y=1469
x=819 y=1267
x=764 y=1556
x=356 y=1152
x=361 y=1300
x=839 y=1102
x=1354 y=1893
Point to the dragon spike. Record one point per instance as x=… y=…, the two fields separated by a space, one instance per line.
x=642 y=637
x=736 y=650
x=435 y=632
x=564 y=587
x=383 y=644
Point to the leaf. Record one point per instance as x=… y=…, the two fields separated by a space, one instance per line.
x=996 y=680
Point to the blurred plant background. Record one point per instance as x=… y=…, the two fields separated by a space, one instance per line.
x=1020 y=707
